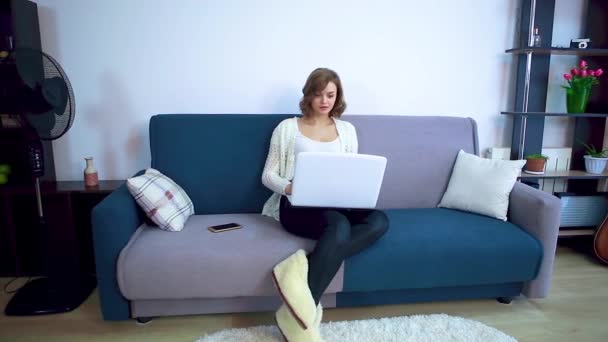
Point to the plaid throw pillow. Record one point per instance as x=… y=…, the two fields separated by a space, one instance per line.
x=163 y=201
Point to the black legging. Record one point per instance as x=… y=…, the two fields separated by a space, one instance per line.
x=340 y=234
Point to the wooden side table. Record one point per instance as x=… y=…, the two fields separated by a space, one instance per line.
x=67 y=209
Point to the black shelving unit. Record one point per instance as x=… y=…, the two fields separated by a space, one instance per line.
x=569 y=175
x=523 y=115
x=532 y=82
x=529 y=110
x=574 y=116
x=559 y=51
x=19 y=28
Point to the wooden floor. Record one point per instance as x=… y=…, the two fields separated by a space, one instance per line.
x=576 y=310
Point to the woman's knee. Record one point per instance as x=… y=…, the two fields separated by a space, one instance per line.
x=338 y=226
x=378 y=221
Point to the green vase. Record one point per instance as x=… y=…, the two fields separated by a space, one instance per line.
x=577 y=98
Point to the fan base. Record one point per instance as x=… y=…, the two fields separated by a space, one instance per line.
x=45 y=296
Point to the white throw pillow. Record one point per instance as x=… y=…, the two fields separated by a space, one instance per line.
x=163 y=201
x=481 y=185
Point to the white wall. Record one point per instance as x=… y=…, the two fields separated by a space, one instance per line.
x=128 y=60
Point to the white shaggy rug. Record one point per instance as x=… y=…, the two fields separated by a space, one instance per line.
x=418 y=328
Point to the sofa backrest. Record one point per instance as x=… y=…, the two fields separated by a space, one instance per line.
x=421 y=151
x=218 y=158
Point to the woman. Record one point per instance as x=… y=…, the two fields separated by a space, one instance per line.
x=340 y=233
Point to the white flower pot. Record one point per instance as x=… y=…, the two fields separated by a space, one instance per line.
x=595 y=165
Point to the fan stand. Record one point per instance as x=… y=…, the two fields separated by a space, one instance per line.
x=53 y=294
x=47 y=97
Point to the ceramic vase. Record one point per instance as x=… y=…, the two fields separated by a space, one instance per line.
x=90 y=173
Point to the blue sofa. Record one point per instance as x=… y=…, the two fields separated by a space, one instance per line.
x=428 y=253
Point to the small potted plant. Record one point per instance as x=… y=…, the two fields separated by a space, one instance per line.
x=535 y=164
x=595 y=161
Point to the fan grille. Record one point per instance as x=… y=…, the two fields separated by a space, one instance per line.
x=63 y=121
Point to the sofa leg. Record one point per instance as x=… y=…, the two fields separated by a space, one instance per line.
x=143 y=320
x=504 y=300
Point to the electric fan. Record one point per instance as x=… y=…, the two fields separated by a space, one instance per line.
x=44 y=101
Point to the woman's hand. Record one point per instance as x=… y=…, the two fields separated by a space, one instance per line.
x=288 y=189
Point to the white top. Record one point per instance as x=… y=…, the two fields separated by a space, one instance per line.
x=306 y=144
x=279 y=167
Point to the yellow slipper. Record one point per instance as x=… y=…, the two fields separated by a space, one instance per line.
x=291 y=330
x=291 y=279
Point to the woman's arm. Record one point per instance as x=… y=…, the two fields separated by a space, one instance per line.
x=270 y=176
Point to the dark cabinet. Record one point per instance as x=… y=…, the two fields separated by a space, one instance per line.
x=67 y=247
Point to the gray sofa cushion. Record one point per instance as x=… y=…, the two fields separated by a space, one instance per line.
x=196 y=263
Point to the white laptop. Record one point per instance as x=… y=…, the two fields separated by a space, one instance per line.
x=337 y=180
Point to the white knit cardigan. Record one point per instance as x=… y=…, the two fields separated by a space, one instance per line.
x=279 y=167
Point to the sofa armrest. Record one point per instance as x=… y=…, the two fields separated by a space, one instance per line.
x=538 y=213
x=114 y=220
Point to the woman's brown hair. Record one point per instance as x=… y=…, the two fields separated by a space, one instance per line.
x=316 y=82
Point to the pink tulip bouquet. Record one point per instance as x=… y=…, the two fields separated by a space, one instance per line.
x=580 y=80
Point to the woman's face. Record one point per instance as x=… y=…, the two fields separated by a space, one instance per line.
x=323 y=102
